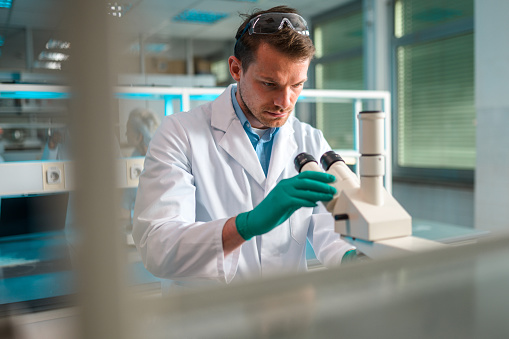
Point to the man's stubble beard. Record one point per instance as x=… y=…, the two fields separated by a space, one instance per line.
x=269 y=123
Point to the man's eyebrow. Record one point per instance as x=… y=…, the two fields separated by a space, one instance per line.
x=269 y=79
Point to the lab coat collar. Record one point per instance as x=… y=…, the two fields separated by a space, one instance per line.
x=235 y=140
x=223 y=113
x=283 y=150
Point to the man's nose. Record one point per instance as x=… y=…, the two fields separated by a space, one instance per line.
x=283 y=99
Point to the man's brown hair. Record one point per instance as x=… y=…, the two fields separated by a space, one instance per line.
x=286 y=40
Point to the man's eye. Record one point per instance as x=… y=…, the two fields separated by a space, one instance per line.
x=268 y=84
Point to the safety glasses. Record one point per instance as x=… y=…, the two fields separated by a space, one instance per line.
x=270 y=23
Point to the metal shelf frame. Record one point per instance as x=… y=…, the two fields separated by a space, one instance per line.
x=187 y=95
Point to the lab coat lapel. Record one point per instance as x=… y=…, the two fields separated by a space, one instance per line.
x=235 y=140
x=283 y=150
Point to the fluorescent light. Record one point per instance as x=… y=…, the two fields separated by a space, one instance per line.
x=48 y=65
x=53 y=56
x=2 y=40
x=202 y=17
x=57 y=44
x=118 y=10
x=5 y=3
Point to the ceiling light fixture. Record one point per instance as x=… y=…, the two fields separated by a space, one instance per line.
x=57 y=44
x=48 y=65
x=118 y=10
x=202 y=17
x=5 y=3
x=153 y=48
x=53 y=56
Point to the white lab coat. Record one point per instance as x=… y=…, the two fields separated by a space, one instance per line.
x=201 y=170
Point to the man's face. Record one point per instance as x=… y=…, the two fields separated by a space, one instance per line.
x=268 y=90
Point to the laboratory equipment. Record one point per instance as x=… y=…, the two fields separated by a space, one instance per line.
x=33 y=213
x=365 y=213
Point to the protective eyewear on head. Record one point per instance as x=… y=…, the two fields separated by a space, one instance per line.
x=270 y=23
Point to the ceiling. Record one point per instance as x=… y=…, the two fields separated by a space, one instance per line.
x=150 y=19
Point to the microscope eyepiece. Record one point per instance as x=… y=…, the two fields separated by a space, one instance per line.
x=328 y=158
x=302 y=159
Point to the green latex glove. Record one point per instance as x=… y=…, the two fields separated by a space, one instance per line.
x=302 y=190
x=349 y=256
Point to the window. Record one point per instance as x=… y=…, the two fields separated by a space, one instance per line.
x=338 y=38
x=434 y=52
x=220 y=70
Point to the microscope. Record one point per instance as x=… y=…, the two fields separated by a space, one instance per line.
x=365 y=214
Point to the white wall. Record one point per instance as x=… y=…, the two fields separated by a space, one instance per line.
x=448 y=205
x=492 y=104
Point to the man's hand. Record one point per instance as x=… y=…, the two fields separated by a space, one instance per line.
x=302 y=190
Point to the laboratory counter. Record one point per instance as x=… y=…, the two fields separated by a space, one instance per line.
x=36 y=269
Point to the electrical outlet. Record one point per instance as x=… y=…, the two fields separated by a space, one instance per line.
x=134 y=169
x=53 y=176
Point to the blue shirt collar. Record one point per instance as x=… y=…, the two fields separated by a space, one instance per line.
x=242 y=117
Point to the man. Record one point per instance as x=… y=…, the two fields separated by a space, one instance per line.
x=220 y=198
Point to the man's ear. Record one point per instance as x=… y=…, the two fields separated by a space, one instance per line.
x=235 y=66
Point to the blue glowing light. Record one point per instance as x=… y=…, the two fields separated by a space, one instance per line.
x=147 y=96
x=204 y=97
x=5 y=3
x=33 y=95
x=138 y=96
x=201 y=17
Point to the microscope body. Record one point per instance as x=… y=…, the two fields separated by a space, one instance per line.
x=365 y=214
x=356 y=218
x=356 y=212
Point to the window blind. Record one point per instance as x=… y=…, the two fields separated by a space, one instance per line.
x=338 y=35
x=413 y=16
x=435 y=95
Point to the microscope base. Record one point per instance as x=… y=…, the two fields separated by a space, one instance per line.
x=394 y=247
